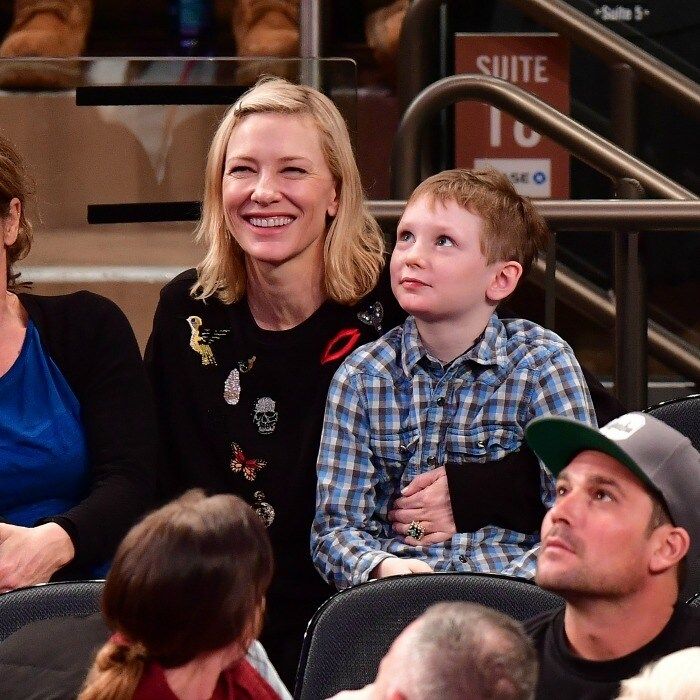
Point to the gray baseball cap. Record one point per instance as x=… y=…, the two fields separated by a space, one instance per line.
x=659 y=456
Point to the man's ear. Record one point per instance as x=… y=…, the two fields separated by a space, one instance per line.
x=504 y=281
x=671 y=544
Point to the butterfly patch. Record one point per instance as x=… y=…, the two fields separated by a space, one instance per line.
x=240 y=463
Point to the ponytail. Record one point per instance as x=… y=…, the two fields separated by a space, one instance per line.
x=116 y=672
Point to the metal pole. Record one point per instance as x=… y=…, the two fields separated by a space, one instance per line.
x=310 y=42
x=550 y=283
x=631 y=374
x=623 y=107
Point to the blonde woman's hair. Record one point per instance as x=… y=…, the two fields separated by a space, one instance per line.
x=189 y=579
x=354 y=246
x=673 y=677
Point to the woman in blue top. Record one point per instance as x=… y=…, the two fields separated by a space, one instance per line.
x=76 y=425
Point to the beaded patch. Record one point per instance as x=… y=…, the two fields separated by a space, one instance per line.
x=249 y=467
x=232 y=385
x=373 y=316
x=265 y=511
x=201 y=339
x=265 y=416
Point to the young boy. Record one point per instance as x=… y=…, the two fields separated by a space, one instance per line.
x=453 y=386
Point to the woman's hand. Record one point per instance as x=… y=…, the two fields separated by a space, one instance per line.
x=426 y=500
x=30 y=555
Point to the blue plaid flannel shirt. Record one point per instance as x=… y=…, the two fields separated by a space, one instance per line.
x=393 y=413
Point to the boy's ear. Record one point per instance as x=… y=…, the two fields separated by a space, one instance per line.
x=504 y=281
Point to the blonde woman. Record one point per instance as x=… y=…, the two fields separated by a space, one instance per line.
x=244 y=347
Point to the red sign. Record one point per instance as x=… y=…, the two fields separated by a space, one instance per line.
x=484 y=136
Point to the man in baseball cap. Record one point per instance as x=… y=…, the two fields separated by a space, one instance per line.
x=624 y=527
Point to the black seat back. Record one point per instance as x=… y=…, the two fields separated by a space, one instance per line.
x=351 y=632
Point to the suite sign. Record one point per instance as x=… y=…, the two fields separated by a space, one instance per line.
x=538 y=63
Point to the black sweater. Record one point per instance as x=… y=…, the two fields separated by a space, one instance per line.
x=93 y=345
x=564 y=675
x=262 y=444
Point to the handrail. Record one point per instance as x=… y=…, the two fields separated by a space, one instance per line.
x=562 y=17
x=663 y=344
x=612 y=48
x=562 y=215
x=590 y=214
x=591 y=148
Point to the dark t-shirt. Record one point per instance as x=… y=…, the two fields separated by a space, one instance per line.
x=563 y=675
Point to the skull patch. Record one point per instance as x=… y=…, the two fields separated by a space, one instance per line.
x=264 y=415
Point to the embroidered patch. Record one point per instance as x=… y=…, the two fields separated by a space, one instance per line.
x=373 y=316
x=340 y=345
x=232 y=388
x=265 y=511
x=264 y=415
x=246 y=366
x=201 y=339
x=232 y=385
x=249 y=467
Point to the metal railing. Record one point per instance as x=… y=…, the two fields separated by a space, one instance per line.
x=614 y=49
x=615 y=215
x=418 y=58
x=591 y=148
x=604 y=156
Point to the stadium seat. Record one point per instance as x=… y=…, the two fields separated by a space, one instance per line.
x=46 y=601
x=683 y=414
x=351 y=632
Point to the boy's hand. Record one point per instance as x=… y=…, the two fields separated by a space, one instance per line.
x=425 y=500
x=393 y=566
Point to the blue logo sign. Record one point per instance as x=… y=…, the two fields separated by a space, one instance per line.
x=539 y=177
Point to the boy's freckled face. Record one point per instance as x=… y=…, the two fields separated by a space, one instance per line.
x=438 y=271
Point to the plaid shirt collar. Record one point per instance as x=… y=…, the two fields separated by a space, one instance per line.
x=489 y=349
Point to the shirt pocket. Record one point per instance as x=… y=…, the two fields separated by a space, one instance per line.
x=481 y=443
x=391 y=453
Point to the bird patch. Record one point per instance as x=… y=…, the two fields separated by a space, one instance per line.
x=201 y=339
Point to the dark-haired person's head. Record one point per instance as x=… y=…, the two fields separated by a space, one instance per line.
x=16 y=188
x=188 y=580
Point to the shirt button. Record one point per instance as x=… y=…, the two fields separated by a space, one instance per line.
x=432 y=461
x=462 y=558
x=440 y=401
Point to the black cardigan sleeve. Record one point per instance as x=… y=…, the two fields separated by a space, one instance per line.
x=459 y=481
x=94 y=346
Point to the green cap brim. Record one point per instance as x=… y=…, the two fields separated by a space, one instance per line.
x=556 y=441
